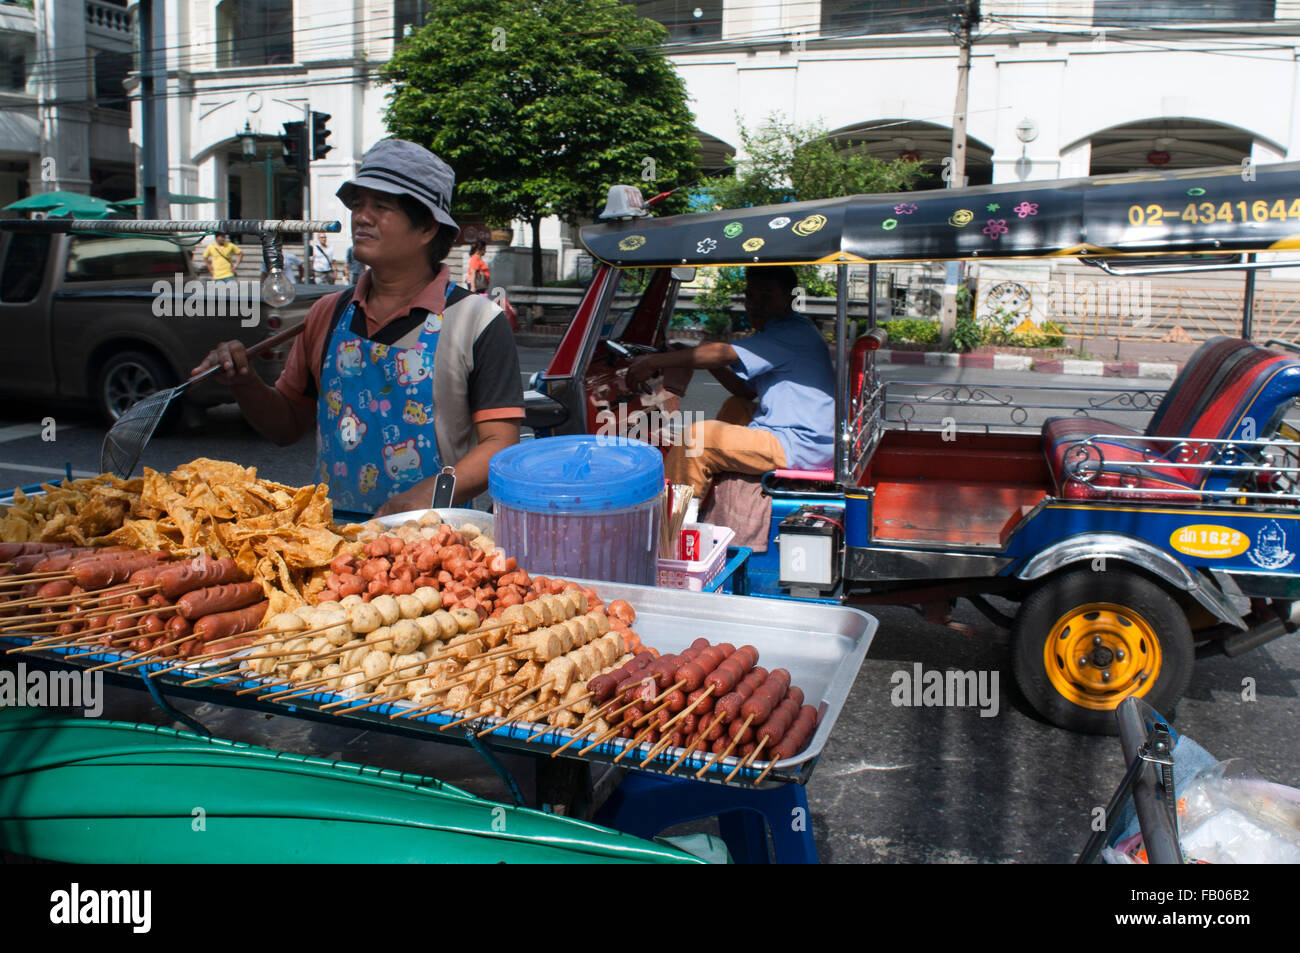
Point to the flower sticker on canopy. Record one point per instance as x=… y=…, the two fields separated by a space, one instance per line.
x=705 y=246
x=905 y=208
x=996 y=228
x=1026 y=209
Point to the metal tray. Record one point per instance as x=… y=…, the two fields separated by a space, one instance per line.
x=822 y=646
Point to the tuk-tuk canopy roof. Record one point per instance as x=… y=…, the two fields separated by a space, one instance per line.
x=1146 y=213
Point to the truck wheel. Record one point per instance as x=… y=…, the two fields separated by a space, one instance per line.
x=128 y=377
x=1084 y=641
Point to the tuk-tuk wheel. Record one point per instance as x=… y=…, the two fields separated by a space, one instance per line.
x=1084 y=641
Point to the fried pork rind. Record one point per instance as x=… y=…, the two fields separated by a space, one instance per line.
x=284 y=537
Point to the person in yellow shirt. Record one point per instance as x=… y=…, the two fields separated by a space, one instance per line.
x=223 y=257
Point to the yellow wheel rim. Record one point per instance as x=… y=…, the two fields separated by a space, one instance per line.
x=1098 y=654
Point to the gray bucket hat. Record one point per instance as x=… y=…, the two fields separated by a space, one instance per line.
x=399 y=167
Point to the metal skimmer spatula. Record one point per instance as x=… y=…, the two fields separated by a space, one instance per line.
x=126 y=439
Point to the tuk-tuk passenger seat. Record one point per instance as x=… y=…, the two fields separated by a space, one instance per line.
x=1230 y=389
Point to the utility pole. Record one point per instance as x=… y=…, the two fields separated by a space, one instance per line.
x=153 y=109
x=964 y=22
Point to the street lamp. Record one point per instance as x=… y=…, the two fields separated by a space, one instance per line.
x=248 y=142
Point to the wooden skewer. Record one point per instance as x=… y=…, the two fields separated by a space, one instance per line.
x=659 y=747
x=523 y=714
x=122 y=639
x=480 y=699
x=158 y=648
x=421 y=710
x=23 y=579
x=551 y=727
x=378 y=701
x=748 y=759
x=688 y=709
x=699 y=739
x=634 y=742
x=735 y=739
x=588 y=725
x=770 y=765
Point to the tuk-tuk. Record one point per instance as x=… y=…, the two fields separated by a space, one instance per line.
x=1131 y=548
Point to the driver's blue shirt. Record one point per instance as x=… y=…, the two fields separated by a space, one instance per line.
x=789 y=366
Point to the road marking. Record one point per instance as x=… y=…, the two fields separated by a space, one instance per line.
x=23 y=431
x=57 y=471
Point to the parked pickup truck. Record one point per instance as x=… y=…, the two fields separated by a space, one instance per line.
x=104 y=319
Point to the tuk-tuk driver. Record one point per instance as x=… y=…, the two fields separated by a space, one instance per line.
x=403 y=373
x=782 y=412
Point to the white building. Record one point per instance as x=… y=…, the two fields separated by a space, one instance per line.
x=1105 y=85
x=64 y=114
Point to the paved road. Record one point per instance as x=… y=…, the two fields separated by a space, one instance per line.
x=896 y=783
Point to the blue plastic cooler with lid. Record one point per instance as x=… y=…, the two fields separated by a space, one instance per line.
x=582 y=506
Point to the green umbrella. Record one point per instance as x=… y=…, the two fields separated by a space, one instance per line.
x=171 y=200
x=63 y=203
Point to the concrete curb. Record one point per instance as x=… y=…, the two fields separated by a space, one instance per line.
x=1022 y=362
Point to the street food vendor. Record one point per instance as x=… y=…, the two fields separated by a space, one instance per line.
x=781 y=414
x=404 y=373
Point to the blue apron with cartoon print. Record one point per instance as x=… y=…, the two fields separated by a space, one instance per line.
x=374 y=427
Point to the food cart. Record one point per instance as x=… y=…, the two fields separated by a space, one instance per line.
x=286 y=540
x=1131 y=551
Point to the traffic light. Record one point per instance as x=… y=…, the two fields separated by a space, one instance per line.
x=319 y=134
x=294 y=141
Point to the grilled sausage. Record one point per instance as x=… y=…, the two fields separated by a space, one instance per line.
x=214 y=599
x=767 y=696
x=99 y=573
x=197 y=574
x=10 y=551
x=222 y=625
x=798 y=734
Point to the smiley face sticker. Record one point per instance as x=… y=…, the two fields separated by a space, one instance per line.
x=806 y=227
x=733 y=229
x=753 y=244
x=961 y=218
x=631 y=243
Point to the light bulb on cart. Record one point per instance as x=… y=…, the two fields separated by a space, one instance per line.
x=277 y=289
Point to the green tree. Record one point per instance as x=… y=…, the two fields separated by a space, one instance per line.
x=540 y=107
x=788 y=162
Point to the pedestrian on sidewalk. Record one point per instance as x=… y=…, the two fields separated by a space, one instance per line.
x=223 y=257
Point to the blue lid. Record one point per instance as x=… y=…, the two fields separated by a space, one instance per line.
x=576 y=474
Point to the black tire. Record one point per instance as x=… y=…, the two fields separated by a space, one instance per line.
x=1130 y=611
x=130 y=376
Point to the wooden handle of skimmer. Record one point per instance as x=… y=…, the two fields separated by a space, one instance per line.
x=261 y=347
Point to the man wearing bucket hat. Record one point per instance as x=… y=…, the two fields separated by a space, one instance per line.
x=404 y=373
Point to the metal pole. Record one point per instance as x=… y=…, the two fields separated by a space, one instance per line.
x=148 y=133
x=306 y=193
x=871 y=296
x=969 y=17
x=841 y=374
x=1248 y=306
x=266 y=167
